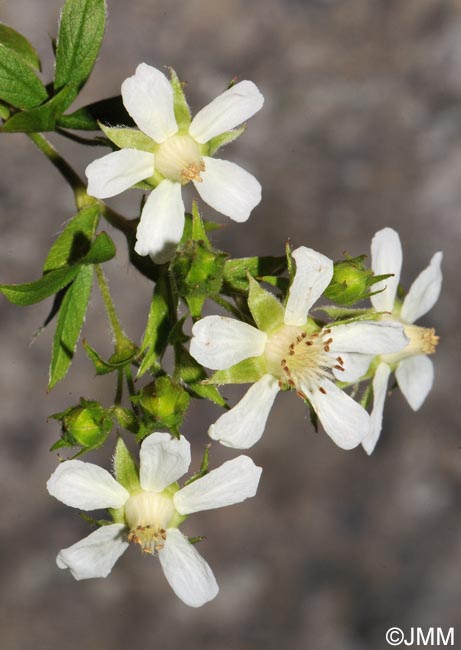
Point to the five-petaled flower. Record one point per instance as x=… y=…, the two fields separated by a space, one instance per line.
x=414 y=371
x=289 y=350
x=150 y=512
x=175 y=151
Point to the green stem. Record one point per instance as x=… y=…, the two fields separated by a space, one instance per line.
x=119 y=390
x=119 y=334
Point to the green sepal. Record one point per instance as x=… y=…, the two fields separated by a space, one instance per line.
x=46 y=286
x=247 y=371
x=125 y=468
x=193 y=375
x=118 y=515
x=290 y=263
x=15 y=41
x=266 y=310
x=367 y=315
x=126 y=137
x=70 y=321
x=88 y=118
x=198 y=227
x=367 y=397
x=351 y=281
x=117 y=361
x=181 y=108
x=19 y=85
x=158 y=327
x=41 y=118
x=235 y=278
x=196 y=539
x=75 y=240
x=86 y=425
x=224 y=138
x=345 y=313
x=81 y=30
x=203 y=466
x=95 y=522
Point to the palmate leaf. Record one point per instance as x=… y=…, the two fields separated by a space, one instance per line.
x=80 y=35
x=19 y=85
x=11 y=39
x=70 y=321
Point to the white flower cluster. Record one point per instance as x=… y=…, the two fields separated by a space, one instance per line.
x=286 y=348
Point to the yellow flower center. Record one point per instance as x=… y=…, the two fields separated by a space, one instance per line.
x=148 y=515
x=179 y=159
x=422 y=340
x=300 y=360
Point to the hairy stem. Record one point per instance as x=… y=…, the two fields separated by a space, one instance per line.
x=119 y=335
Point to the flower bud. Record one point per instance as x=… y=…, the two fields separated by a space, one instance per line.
x=86 y=425
x=350 y=282
x=165 y=401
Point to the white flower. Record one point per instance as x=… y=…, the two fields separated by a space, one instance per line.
x=176 y=157
x=150 y=514
x=413 y=369
x=292 y=352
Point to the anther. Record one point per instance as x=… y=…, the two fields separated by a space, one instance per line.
x=322 y=390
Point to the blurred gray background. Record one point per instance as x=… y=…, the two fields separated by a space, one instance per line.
x=361 y=129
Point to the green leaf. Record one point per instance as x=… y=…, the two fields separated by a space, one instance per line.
x=203 y=466
x=88 y=118
x=80 y=35
x=4 y=111
x=126 y=470
x=236 y=271
x=32 y=292
x=266 y=310
x=207 y=391
x=224 y=138
x=247 y=371
x=41 y=118
x=126 y=137
x=102 y=250
x=116 y=362
x=19 y=85
x=75 y=240
x=181 y=109
x=11 y=39
x=158 y=327
x=70 y=321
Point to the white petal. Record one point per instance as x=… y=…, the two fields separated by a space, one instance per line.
x=148 y=98
x=355 y=366
x=118 y=171
x=243 y=425
x=233 y=482
x=220 y=342
x=345 y=421
x=313 y=275
x=386 y=257
x=228 y=188
x=415 y=377
x=369 y=337
x=86 y=486
x=424 y=292
x=228 y=110
x=162 y=223
x=376 y=418
x=187 y=573
x=95 y=555
x=163 y=460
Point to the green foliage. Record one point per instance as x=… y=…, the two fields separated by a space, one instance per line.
x=42 y=118
x=70 y=321
x=19 y=85
x=166 y=402
x=80 y=36
x=117 y=361
x=11 y=39
x=266 y=310
x=158 y=327
x=75 y=240
x=125 y=468
x=32 y=292
x=193 y=375
x=86 y=425
x=203 y=466
x=89 y=118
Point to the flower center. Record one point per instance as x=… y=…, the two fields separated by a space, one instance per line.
x=422 y=340
x=148 y=515
x=178 y=159
x=301 y=360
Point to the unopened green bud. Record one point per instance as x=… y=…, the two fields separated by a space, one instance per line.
x=165 y=401
x=86 y=425
x=350 y=282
